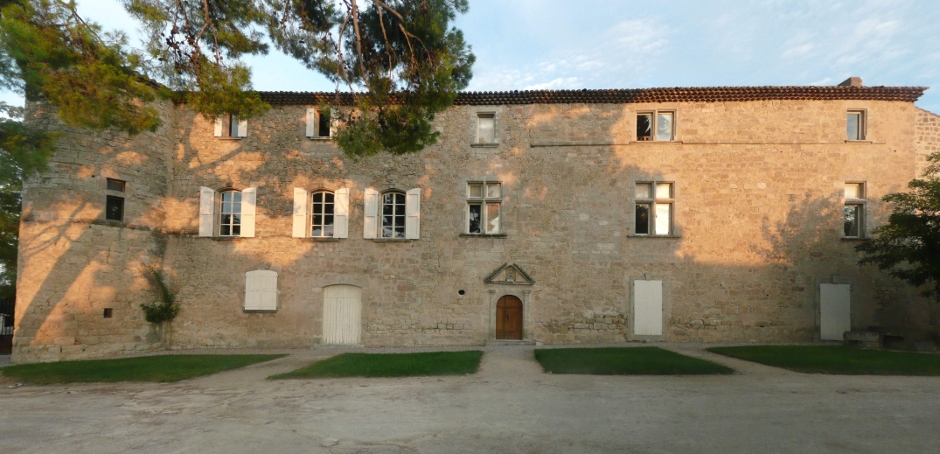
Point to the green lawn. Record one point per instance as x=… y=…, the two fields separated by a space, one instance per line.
x=390 y=365
x=164 y=368
x=624 y=361
x=838 y=360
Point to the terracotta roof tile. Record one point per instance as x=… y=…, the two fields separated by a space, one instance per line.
x=637 y=95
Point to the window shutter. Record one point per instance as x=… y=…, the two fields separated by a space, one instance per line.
x=311 y=122
x=341 y=213
x=370 y=220
x=413 y=214
x=206 y=204
x=268 y=291
x=243 y=128
x=218 y=127
x=300 y=213
x=252 y=291
x=249 y=197
x=261 y=290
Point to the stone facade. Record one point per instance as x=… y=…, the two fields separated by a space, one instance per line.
x=757 y=218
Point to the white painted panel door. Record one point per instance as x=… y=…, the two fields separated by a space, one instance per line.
x=342 y=314
x=835 y=311
x=648 y=308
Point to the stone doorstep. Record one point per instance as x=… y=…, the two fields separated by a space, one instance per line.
x=507 y=342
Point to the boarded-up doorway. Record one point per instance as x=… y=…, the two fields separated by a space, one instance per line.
x=509 y=318
x=648 y=308
x=835 y=311
x=342 y=314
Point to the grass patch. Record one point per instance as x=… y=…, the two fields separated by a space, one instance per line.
x=624 y=361
x=164 y=368
x=390 y=365
x=837 y=360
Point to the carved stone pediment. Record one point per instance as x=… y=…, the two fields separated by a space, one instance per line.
x=509 y=274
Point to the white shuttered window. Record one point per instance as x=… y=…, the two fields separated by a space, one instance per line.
x=227 y=212
x=261 y=290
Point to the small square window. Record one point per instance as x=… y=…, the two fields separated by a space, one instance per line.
x=108 y=312
x=855 y=125
x=115 y=185
x=114 y=208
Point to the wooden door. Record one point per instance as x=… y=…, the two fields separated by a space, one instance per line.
x=835 y=311
x=648 y=308
x=342 y=308
x=509 y=318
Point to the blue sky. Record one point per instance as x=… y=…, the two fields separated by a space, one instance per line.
x=557 y=44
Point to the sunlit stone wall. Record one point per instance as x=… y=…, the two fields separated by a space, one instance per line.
x=757 y=215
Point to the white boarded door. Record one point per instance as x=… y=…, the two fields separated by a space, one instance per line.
x=835 y=311
x=648 y=308
x=342 y=310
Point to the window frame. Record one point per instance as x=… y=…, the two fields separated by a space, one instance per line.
x=403 y=215
x=477 y=137
x=652 y=201
x=654 y=124
x=314 y=130
x=116 y=195
x=862 y=125
x=861 y=201
x=219 y=205
x=484 y=201
x=311 y=202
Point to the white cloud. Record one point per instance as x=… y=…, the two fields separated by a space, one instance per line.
x=556 y=84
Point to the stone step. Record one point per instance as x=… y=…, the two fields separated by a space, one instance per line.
x=499 y=342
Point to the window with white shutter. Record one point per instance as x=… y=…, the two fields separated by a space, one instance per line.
x=370 y=219
x=300 y=213
x=319 y=123
x=227 y=213
x=341 y=214
x=206 y=204
x=249 y=199
x=229 y=126
x=261 y=290
x=413 y=214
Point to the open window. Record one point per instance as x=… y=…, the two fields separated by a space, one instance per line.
x=230 y=127
x=321 y=213
x=654 y=208
x=855 y=125
x=114 y=200
x=227 y=212
x=655 y=126
x=319 y=123
x=392 y=214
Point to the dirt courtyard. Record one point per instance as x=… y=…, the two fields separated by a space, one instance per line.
x=509 y=406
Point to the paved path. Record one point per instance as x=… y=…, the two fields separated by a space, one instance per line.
x=509 y=406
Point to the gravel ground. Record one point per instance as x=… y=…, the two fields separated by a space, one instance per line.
x=509 y=406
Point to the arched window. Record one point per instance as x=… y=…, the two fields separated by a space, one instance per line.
x=393 y=215
x=230 y=212
x=321 y=214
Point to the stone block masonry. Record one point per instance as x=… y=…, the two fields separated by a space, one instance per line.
x=756 y=219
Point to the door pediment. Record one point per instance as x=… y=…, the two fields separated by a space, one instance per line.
x=509 y=274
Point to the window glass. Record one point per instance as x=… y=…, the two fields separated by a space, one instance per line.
x=644 y=127
x=115 y=185
x=664 y=126
x=663 y=211
x=232 y=126
x=852 y=218
x=486 y=130
x=393 y=215
x=231 y=209
x=322 y=214
x=643 y=218
x=492 y=218
x=476 y=191
x=663 y=190
x=853 y=123
x=114 y=208
x=853 y=191
x=475 y=218
x=643 y=190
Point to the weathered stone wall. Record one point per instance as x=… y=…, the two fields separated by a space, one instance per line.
x=757 y=214
x=72 y=262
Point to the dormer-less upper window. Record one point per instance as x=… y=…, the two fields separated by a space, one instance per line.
x=855 y=125
x=655 y=126
x=229 y=126
x=319 y=123
x=486 y=129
